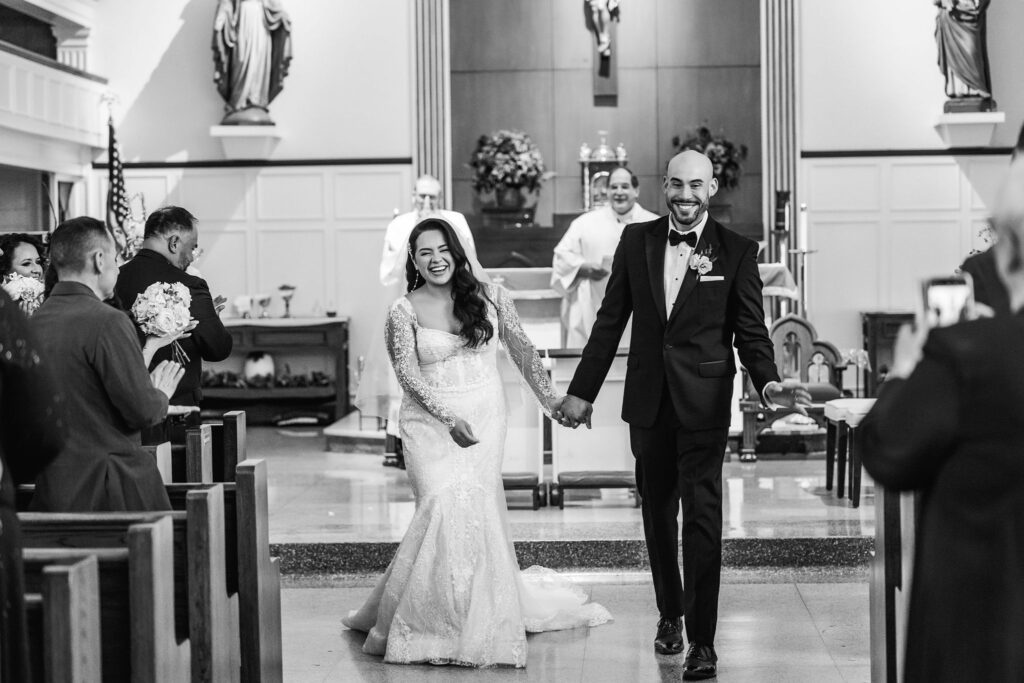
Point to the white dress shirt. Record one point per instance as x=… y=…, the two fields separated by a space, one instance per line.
x=677 y=260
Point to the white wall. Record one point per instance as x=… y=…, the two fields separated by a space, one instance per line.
x=869 y=78
x=880 y=225
x=349 y=91
x=869 y=81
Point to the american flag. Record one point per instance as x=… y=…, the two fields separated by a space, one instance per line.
x=118 y=209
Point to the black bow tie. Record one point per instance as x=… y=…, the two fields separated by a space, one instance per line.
x=675 y=237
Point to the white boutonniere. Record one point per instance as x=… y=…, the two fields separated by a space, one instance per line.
x=702 y=262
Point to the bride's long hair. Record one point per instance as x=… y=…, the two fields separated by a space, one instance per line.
x=469 y=296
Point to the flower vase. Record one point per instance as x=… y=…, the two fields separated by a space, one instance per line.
x=512 y=207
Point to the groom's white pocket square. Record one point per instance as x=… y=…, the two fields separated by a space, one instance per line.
x=712 y=278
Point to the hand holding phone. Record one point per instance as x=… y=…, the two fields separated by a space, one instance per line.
x=946 y=301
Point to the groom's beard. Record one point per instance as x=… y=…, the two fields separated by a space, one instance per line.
x=687 y=213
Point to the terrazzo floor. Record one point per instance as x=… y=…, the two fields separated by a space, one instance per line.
x=318 y=496
x=772 y=627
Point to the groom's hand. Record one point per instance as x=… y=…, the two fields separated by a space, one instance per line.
x=575 y=411
x=788 y=394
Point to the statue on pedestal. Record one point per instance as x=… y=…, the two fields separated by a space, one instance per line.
x=963 y=58
x=251 y=52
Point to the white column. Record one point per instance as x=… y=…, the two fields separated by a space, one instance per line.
x=433 y=93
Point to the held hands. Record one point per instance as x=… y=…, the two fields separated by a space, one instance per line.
x=592 y=271
x=571 y=412
x=462 y=434
x=166 y=376
x=154 y=342
x=789 y=394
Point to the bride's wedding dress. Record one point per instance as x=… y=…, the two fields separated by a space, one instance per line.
x=453 y=592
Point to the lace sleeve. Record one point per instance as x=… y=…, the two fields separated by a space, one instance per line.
x=400 y=337
x=521 y=349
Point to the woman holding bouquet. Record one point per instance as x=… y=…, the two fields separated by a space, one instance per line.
x=21 y=269
x=454 y=594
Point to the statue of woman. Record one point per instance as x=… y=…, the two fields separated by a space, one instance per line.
x=251 y=52
x=963 y=59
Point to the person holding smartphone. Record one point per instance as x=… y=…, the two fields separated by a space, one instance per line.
x=949 y=422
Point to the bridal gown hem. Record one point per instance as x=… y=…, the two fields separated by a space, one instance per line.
x=454 y=594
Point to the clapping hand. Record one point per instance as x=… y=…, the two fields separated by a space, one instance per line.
x=789 y=394
x=572 y=412
x=219 y=303
x=166 y=376
x=462 y=434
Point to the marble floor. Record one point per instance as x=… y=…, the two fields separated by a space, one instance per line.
x=787 y=628
x=318 y=496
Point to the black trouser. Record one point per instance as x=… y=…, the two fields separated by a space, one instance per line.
x=674 y=465
x=173 y=429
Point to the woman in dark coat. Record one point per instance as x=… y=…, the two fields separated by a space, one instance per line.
x=31 y=435
x=952 y=427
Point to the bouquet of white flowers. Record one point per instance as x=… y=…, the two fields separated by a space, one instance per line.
x=163 y=310
x=27 y=291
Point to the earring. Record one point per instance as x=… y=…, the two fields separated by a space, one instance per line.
x=416 y=283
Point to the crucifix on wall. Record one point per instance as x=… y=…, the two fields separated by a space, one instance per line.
x=602 y=17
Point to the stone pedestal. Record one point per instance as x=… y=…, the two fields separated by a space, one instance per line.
x=969 y=129
x=247 y=142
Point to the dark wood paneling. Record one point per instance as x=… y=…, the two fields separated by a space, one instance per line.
x=497 y=35
x=633 y=122
x=701 y=33
x=486 y=101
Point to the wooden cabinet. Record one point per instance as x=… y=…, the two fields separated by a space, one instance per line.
x=880 y=330
x=326 y=336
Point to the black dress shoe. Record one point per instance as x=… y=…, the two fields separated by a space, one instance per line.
x=701 y=662
x=669 y=640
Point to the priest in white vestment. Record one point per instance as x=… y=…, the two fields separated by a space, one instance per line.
x=583 y=257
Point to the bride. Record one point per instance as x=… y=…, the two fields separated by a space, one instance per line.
x=453 y=593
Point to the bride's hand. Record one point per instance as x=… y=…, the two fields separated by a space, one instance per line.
x=462 y=434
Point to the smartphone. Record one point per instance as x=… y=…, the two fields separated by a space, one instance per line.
x=947 y=300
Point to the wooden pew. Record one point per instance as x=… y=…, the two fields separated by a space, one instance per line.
x=64 y=622
x=162 y=454
x=139 y=643
x=203 y=607
x=198 y=464
x=229 y=445
x=250 y=570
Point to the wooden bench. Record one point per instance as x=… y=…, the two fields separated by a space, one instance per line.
x=64 y=621
x=229 y=446
x=202 y=604
x=249 y=571
x=136 y=586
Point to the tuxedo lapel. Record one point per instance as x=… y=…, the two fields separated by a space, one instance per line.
x=708 y=243
x=654 y=242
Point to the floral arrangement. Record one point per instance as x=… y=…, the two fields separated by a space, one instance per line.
x=724 y=154
x=27 y=291
x=163 y=310
x=507 y=159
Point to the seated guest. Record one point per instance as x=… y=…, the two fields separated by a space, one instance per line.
x=108 y=394
x=170 y=240
x=22 y=254
x=949 y=422
x=31 y=435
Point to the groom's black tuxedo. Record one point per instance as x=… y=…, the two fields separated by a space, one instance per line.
x=678 y=395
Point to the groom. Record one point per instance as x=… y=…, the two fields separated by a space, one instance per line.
x=694 y=290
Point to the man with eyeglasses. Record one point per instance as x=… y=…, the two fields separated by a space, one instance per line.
x=170 y=245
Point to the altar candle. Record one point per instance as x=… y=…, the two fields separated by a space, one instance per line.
x=802 y=243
